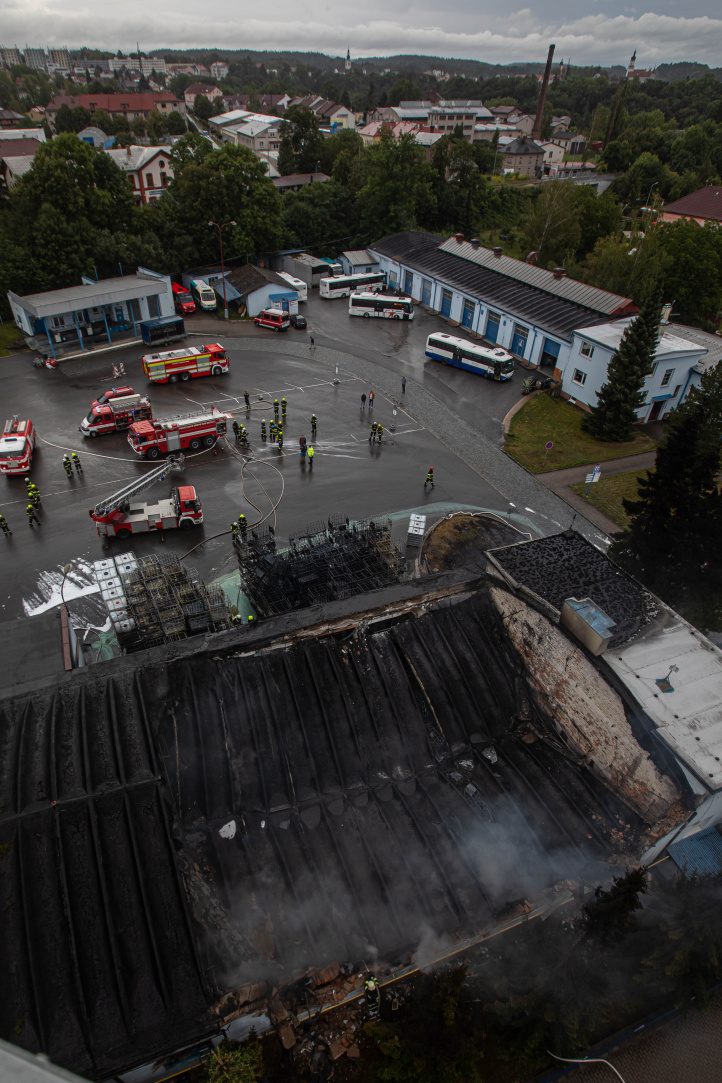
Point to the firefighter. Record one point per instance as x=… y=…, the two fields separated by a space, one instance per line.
x=380 y=432
x=430 y=478
x=251 y=618
x=247 y=400
x=32 y=517
x=263 y=429
x=236 y=429
x=244 y=439
x=311 y=453
x=67 y=466
x=234 y=529
x=313 y=424
x=242 y=526
x=280 y=439
x=284 y=404
x=236 y=618
x=4 y=525
x=372 y=433
x=371 y=991
x=275 y=408
x=272 y=427
x=34 y=496
x=76 y=463
x=28 y=484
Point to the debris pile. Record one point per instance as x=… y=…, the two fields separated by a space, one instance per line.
x=324 y=563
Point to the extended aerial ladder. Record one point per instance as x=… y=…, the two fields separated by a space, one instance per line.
x=115 y=517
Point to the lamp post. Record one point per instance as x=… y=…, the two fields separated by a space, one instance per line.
x=221 y=227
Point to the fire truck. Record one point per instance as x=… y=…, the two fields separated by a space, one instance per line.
x=180 y=432
x=17 y=445
x=120 y=515
x=112 y=393
x=168 y=368
x=115 y=415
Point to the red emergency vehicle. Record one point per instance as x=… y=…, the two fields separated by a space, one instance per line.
x=17 y=445
x=116 y=415
x=183 y=301
x=273 y=318
x=112 y=393
x=181 y=432
x=120 y=515
x=168 y=368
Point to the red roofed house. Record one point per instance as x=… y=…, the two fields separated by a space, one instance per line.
x=128 y=105
x=210 y=92
x=702 y=206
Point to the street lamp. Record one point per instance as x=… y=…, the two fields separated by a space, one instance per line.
x=221 y=227
x=649 y=196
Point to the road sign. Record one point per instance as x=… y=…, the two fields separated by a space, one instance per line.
x=591 y=478
x=549 y=445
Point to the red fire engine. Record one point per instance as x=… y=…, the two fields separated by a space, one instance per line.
x=115 y=415
x=17 y=445
x=180 y=432
x=174 y=365
x=112 y=393
x=120 y=515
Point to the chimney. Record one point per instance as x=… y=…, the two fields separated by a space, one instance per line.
x=459 y=238
x=559 y=272
x=532 y=257
x=498 y=252
x=128 y=150
x=474 y=242
x=539 y=118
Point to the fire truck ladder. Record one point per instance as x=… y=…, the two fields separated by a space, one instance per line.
x=213 y=412
x=111 y=503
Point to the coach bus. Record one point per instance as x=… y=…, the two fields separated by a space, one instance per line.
x=494 y=363
x=344 y=285
x=296 y=284
x=380 y=304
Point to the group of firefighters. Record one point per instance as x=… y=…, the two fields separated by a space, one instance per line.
x=34 y=498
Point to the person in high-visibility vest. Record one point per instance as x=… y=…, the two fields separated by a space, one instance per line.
x=67 y=466
x=311 y=453
x=284 y=404
x=76 y=463
x=430 y=478
x=32 y=517
x=263 y=429
x=4 y=525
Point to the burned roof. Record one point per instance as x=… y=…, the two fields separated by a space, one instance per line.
x=565 y=566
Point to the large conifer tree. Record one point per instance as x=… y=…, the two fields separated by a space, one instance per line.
x=621 y=395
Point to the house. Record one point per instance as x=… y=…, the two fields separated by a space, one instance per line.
x=335 y=115
x=559 y=125
x=279 y=102
x=93 y=314
x=9 y=119
x=232 y=102
x=148 y=170
x=446 y=116
x=508 y=302
x=521 y=122
x=681 y=357
x=704 y=205
x=358 y=261
x=553 y=152
x=219 y=70
x=294 y=181
x=21 y=133
x=256 y=288
x=16 y=158
x=127 y=105
x=524 y=156
x=571 y=142
x=205 y=91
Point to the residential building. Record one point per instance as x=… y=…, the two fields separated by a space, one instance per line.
x=559 y=125
x=187 y=69
x=231 y=102
x=570 y=142
x=150 y=64
x=127 y=105
x=206 y=91
x=553 y=152
x=568 y=170
x=59 y=58
x=10 y=119
x=260 y=134
x=524 y=156
x=219 y=69
x=508 y=302
x=36 y=58
x=521 y=122
x=148 y=169
x=446 y=116
x=92 y=314
x=9 y=56
x=16 y=158
x=21 y=133
x=484 y=133
x=279 y=102
x=358 y=261
x=681 y=357
x=704 y=205
x=294 y=181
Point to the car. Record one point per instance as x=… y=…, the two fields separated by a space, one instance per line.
x=112 y=393
x=298 y=321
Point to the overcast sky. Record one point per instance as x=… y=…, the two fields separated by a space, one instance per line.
x=477 y=29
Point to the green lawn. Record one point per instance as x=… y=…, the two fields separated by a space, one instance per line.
x=9 y=333
x=543 y=419
x=607 y=494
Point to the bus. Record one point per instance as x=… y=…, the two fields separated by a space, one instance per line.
x=204 y=296
x=344 y=285
x=374 y=304
x=296 y=284
x=494 y=363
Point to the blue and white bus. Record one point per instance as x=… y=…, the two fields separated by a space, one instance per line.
x=381 y=304
x=344 y=285
x=494 y=363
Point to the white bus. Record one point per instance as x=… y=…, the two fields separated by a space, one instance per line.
x=494 y=363
x=381 y=304
x=296 y=284
x=203 y=295
x=344 y=285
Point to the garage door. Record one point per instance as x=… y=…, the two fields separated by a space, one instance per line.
x=446 y=303
x=492 y=326
x=426 y=292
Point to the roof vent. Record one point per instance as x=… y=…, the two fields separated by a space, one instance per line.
x=459 y=238
x=532 y=257
x=498 y=251
x=559 y=272
x=474 y=242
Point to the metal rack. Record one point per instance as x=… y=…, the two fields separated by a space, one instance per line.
x=323 y=563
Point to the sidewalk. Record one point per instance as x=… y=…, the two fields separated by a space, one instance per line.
x=559 y=482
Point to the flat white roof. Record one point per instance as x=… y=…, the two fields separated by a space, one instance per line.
x=688 y=719
x=610 y=335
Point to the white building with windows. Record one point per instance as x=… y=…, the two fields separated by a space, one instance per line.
x=682 y=355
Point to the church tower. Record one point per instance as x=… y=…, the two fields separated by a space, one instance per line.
x=632 y=62
x=348 y=60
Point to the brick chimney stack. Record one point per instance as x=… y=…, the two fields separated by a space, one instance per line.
x=539 y=118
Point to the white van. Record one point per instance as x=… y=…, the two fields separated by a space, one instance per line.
x=203 y=294
x=296 y=284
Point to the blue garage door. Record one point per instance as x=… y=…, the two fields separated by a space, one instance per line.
x=446 y=302
x=425 y=292
x=492 y=326
x=550 y=352
x=518 y=342
x=409 y=283
x=467 y=315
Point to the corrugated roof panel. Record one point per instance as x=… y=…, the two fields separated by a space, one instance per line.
x=568 y=288
x=700 y=854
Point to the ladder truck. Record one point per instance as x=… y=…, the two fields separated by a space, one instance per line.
x=120 y=515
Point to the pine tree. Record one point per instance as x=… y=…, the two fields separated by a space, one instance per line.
x=286 y=158
x=621 y=396
x=610 y=916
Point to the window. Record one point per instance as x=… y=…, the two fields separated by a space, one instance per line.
x=579 y=377
x=667 y=377
x=131 y=178
x=149 y=180
x=160 y=165
x=654 y=369
x=586 y=349
x=163 y=180
x=676 y=391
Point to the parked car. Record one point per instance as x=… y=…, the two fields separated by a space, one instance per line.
x=298 y=321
